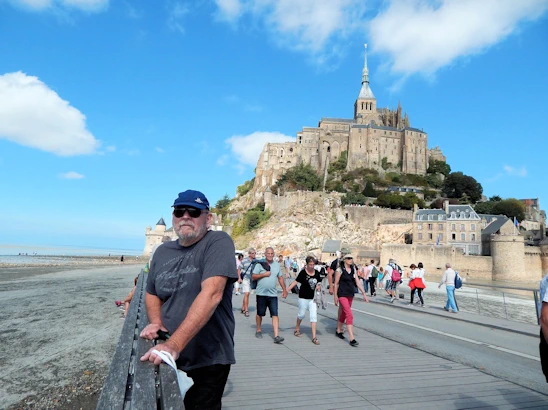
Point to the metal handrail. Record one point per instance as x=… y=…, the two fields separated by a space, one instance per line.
x=534 y=290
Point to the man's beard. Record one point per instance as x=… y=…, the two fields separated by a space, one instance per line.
x=193 y=237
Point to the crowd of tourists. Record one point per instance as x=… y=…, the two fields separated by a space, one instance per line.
x=343 y=278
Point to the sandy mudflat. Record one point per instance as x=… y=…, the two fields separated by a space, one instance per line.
x=58 y=332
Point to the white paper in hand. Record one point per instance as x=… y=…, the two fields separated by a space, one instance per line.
x=183 y=380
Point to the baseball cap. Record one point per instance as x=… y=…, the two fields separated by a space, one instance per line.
x=192 y=198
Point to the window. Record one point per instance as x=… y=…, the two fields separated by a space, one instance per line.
x=453 y=214
x=440 y=237
x=440 y=227
x=429 y=227
x=462 y=227
x=453 y=236
x=473 y=237
x=472 y=227
x=429 y=216
x=453 y=227
x=430 y=236
x=419 y=226
x=462 y=236
x=420 y=235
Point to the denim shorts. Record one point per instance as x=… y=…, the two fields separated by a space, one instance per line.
x=267 y=301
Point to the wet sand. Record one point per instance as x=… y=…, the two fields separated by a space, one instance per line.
x=60 y=327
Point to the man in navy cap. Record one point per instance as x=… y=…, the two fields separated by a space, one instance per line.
x=189 y=294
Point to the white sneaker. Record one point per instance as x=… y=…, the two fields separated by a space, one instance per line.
x=392 y=300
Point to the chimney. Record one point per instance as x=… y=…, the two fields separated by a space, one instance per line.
x=446 y=206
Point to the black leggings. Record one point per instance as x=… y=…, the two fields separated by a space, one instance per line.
x=372 y=281
x=420 y=295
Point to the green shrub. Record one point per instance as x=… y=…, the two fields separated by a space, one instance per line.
x=243 y=189
x=353 y=198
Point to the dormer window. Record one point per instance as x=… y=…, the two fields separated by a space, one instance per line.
x=453 y=214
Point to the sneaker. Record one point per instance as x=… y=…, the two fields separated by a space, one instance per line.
x=423 y=306
x=447 y=310
x=278 y=339
x=454 y=311
x=339 y=335
x=392 y=300
x=354 y=342
x=409 y=304
x=259 y=335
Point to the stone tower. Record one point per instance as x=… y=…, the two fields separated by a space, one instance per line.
x=365 y=107
x=508 y=252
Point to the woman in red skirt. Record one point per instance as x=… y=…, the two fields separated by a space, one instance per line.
x=416 y=282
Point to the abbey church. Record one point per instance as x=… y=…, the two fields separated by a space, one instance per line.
x=372 y=138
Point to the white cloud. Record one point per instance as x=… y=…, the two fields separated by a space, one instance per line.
x=71 y=175
x=86 y=5
x=33 y=115
x=229 y=10
x=423 y=36
x=110 y=148
x=317 y=27
x=517 y=172
x=247 y=148
x=176 y=12
x=414 y=36
x=159 y=150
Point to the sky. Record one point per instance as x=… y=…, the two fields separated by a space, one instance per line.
x=109 y=108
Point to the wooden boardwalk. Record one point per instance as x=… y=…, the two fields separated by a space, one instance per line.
x=300 y=375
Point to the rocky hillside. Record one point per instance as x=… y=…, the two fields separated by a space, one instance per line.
x=303 y=228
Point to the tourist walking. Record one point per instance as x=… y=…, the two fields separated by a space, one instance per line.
x=381 y=278
x=416 y=282
x=346 y=279
x=372 y=273
x=267 y=294
x=244 y=273
x=394 y=272
x=331 y=271
x=310 y=280
x=189 y=294
x=239 y=259
x=448 y=279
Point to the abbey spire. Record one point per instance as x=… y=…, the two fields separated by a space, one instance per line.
x=365 y=107
x=365 y=91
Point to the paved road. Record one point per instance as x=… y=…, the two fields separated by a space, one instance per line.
x=454 y=365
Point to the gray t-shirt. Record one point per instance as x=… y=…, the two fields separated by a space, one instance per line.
x=267 y=286
x=175 y=277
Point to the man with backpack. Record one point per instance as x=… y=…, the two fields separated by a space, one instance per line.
x=373 y=275
x=394 y=272
x=268 y=274
x=244 y=273
x=449 y=279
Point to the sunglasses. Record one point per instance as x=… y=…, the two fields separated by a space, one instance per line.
x=192 y=212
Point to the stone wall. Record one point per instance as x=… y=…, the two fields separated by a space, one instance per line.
x=277 y=203
x=434 y=259
x=370 y=217
x=471 y=267
x=533 y=262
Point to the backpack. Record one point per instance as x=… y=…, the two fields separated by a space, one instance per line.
x=264 y=264
x=396 y=272
x=375 y=272
x=458 y=281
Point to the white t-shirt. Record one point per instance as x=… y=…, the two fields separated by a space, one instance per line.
x=448 y=277
x=388 y=273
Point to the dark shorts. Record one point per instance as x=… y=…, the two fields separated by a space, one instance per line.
x=393 y=285
x=267 y=301
x=208 y=388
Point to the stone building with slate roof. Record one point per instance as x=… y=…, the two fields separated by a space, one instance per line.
x=374 y=134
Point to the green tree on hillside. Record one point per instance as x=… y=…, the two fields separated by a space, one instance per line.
x=457 y=184
x=339 y=164
x=436 y=166
x=510 y=207
x=369 y=190
x=243 y=189
x=300 y=177
x=353 y=198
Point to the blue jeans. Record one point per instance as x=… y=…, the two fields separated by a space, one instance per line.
x=365 y=285
x=451 y=299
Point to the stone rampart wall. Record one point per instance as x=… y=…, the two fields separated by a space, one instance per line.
x=533 y=262
x=370 y=217
x=290 y=199
x=434 y=259
x=471 y=267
